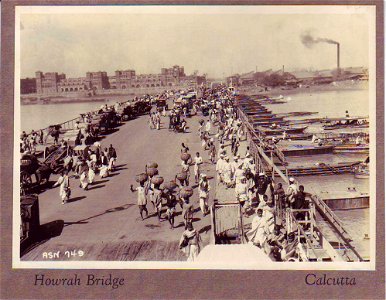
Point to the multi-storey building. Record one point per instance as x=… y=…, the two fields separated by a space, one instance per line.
x=28 y=86
x=49 y=83
x=73 y=85
x=97 y=80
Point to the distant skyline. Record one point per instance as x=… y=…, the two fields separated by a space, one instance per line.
x=217 y=44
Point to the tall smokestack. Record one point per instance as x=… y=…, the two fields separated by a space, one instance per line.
x=338 y=56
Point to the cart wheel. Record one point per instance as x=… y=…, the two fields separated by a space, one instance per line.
x=25 y=178
x=25 y=182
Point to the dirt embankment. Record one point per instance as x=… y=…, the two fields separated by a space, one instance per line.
x=277 y=91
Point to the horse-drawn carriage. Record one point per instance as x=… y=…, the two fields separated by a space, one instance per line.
x=107 y=120
x=161 y=104
x=30 y=165
x=127 y=113
x=142 y=107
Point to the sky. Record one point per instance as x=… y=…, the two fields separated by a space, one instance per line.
x=217 y=44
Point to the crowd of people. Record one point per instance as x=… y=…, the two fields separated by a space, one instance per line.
x=258 y=194
x=220 y=127
x=85 y=166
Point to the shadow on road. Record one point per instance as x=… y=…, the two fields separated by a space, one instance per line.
x=100 y=181
x=75 y=199
x=180 y=225
x=114 y=174
x=114 y=209
x=205 y=229
x=96 y=187
x=151 y=226
x=119 y=166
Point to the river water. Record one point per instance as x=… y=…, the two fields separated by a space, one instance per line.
x=331 y=104
x=39 y=116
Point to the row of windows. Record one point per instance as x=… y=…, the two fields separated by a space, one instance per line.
x=143 y=85
x=75 y=89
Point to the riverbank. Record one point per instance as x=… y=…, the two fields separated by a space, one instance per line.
x=36 y=100
x=85 y=96
x=338 y=86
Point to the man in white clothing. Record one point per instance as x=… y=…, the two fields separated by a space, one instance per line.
x=219 y=168
x=227 y=172
x=207 y=128
x=197 y=166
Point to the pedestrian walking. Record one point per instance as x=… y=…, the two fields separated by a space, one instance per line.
x=64 y=190
x=171 y=203
x=187 y=212
x=190 y=242
x=112 y=156
x=204 y=188
x=197 y=166
x=157 y=198
x=83 y=175
x=212 y=152
x=141 y=200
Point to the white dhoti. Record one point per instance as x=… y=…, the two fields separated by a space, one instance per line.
x=227 y=177
x=63 y=193
x=193 y=252
x=83 y=180
x=91 y=175
x=204 y=196
x=257 y=236
x=261 y=198
x=111 y=163
x=197 y=170
x=103 y=171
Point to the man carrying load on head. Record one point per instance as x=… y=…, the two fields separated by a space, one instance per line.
x=142 y=201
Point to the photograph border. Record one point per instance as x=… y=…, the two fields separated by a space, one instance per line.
x=297 y=277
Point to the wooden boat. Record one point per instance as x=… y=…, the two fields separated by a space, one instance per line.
x=288 y=130
x=259 y=112
x=351 y=148
x=265 y=118
x=273 y=101
x=348 y=201
x=297 y=114
x=299 y=136
x=350 y=122
x=362 y=171
x=319 y=169
x=299 y=150
x=267 y=124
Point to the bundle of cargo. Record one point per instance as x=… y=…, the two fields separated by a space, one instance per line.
x=152 y=165
x=151 y=171
x=182 y=176
x=158 y=180
x=185 y=156
x=186 y=192
x=171 y=185
x=141 y=177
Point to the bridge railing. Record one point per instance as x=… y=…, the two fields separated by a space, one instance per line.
x=320 y=205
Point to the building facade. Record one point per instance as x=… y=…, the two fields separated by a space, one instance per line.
x=28 y=86
x=47 y=83
x=51 y=83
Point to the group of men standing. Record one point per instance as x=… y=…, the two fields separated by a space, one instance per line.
x=85 y=166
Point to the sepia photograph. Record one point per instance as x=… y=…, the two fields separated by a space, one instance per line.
x=200 y=137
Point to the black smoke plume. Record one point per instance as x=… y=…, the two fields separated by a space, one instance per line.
x=309 y=41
